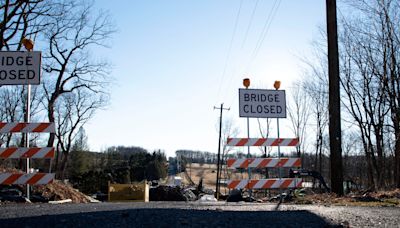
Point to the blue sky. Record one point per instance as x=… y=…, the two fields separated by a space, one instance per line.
x=174 y=60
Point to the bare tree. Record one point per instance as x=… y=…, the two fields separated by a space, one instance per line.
x=72 y=112
x=315 y=84
x=229 y=130
x=20 y=19
x=264 y=127
x=74 y=84
x=370 y=78
x=298 y=112
x=68 y=64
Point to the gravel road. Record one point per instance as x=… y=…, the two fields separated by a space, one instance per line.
x=194 y=214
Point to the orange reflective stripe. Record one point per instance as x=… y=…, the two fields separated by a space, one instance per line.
x=286 y=183
x=35 y=178
x=11 y=179
x=30 y=152
x=41 y=127
x=8 y=152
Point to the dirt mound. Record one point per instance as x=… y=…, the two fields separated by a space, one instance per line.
x=387 y=194
x=379 y=198
x=60 y=191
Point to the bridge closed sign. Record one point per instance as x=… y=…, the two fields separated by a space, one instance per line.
x=20 y=67
x=262 y=103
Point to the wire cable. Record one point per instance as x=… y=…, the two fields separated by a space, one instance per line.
x=265 y=31
x=229 y=50
x=261 y=39
x=249 y=25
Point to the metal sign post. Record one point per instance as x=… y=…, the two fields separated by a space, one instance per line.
x=248 y=154
x=277 y=85
x=28 y=119
x=246 y=83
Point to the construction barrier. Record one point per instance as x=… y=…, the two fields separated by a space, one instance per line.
x=27 y=153
x=27 y=127
x=274 y=183
x=136 y=192
x=262 y=142
x=26 y=178
x=263 y=162
x=24 y=152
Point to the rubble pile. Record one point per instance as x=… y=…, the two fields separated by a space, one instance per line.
x=60 y=191
x=166 y=193
x=386 y=194
x=178 y=193
x=378 y=198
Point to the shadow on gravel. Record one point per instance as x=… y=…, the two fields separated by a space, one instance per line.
x=173 y=218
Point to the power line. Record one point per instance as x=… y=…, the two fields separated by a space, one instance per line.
x=263 y=34
x=265 y=30
x=249 y=25
x=230 y=48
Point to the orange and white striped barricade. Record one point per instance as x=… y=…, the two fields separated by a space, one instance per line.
x=27 y=153
x=27 y=127
x=24 y=152
x=262 y=142
x=263 y=162
x=273 y=183
x=26 y=178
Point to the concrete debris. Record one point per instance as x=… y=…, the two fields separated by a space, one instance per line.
x=189 y=195
x=207 y=198
x=92 y=200
x=61 y=201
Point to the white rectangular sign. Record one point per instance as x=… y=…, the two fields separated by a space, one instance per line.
x=262 y=103
x=20 y=67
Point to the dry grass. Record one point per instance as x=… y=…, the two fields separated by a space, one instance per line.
x=375 y=199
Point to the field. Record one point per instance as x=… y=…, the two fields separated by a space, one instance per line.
x=208 y=172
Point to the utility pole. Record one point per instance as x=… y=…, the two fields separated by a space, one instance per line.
x=219 y=148
x=335 y=135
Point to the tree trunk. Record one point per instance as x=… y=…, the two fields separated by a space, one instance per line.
x=370 y=173
x=379 y=151
x=50 y=115
x=63 y=165
x=397 y=160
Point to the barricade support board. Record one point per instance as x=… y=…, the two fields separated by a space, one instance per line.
x=24 y=152
x=273 y=183
x=26 y=178
x=263 y=162
x=262 y=142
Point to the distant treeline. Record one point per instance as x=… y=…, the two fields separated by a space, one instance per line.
x=193 y=156
x=90 y=172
